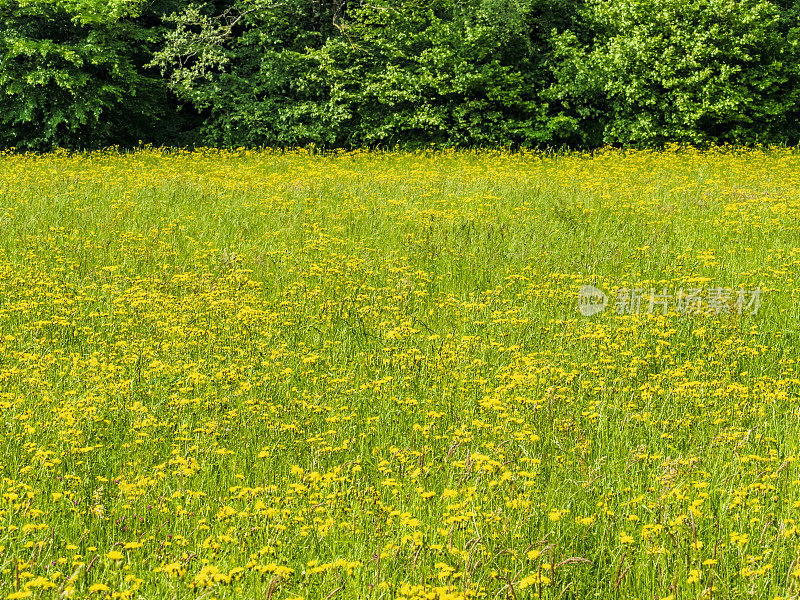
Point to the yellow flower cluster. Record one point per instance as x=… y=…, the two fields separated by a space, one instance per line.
x=264 y=374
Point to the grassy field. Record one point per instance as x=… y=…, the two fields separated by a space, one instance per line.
x=280 y=375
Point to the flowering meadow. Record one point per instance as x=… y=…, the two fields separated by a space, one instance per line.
x=263 y=374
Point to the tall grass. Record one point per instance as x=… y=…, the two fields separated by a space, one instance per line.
x=278 y=375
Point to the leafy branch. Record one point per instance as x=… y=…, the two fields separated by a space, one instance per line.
x=196 y=48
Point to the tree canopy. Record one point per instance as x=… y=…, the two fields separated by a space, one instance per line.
x=378 y=73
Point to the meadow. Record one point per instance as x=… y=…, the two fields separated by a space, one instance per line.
x=264 y=374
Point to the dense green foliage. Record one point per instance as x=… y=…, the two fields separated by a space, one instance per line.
x=689 y=71
x=71 y=75
x=339 y=73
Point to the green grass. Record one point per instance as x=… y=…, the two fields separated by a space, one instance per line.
x=366 y=376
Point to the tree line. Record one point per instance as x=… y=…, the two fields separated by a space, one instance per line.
x=398 y=73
